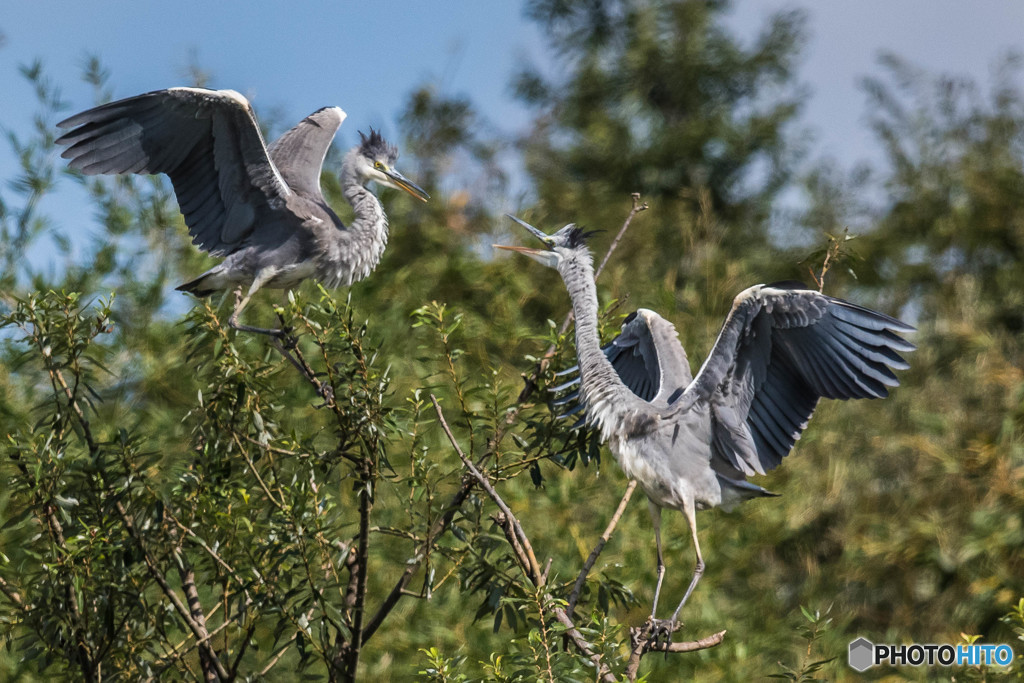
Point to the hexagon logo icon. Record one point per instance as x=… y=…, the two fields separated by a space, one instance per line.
x=862 y=654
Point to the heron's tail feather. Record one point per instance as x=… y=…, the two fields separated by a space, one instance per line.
x=735 y=491
x=198 y=286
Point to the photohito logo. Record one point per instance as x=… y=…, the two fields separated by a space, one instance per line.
x=864 y=654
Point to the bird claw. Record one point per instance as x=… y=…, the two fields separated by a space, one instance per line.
x=661 y=630
x=326 y=392
x=288 y=340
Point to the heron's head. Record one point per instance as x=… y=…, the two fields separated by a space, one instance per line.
x=375 y=160
x=566 y=243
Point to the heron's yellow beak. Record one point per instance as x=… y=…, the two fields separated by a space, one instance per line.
x=404 y=183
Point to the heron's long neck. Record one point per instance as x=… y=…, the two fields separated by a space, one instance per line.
x=607 y=398
x=362 y=243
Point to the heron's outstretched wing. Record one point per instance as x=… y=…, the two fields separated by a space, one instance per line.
x=780 y=350
x=299 y=153
x=207 y=141
x=646 y=355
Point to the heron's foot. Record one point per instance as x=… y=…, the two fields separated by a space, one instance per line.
x=288 y=340
x=326 y=392
x=661 y=630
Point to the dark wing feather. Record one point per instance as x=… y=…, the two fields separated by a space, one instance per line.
x=779 y=351
x=646 y=355
x=299 y=153
x=206 y=141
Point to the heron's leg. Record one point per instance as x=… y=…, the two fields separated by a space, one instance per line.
x=698 y=571
x=262 y=277
x=656 y=520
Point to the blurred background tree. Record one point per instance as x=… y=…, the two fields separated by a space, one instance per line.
x=900 y=520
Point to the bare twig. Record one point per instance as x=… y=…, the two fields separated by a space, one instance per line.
x=637 y=208
x=589 y=564
x=528 y=559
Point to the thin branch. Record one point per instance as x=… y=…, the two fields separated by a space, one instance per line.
x=637 y=208
x=284 y=647
x=13 y=595
x=517 y=537
x=584 y=646
x=256 y=473
x=589 y=564
x=530 y=560
x=199 y=631
x=216 y=557
x=241 y=650
x=294 y=355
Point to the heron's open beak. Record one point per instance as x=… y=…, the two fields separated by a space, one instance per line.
x=545 y=256
x=404 y=183
x=546 y=239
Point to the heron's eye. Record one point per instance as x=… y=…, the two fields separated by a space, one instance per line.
x=378 y=165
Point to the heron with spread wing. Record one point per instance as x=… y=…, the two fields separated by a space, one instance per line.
x=259 y=207
x=691 y=442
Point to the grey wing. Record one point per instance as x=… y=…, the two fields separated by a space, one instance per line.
x=299 y=153
x=779 y=351
x=646 y=355
x=207 y=141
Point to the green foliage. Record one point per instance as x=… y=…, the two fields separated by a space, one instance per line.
x=167 y=476
x=811 y=632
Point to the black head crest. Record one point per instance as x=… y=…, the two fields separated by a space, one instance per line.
x=375 y=146
x=578 y=237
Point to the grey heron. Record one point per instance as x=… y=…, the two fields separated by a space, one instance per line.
x=691 y=442
x=259 y=207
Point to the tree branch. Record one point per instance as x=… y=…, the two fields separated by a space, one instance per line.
x=641 y=643
x=637 y=208
x=589 y=564
x=584 y=646
x=188 y=584
x=525 y=550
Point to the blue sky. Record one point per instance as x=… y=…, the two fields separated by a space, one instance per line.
x=367 y=56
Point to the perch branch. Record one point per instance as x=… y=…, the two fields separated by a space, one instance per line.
x=589 y=564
